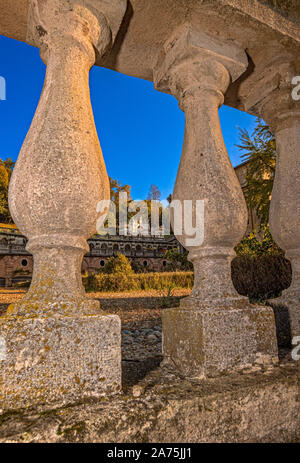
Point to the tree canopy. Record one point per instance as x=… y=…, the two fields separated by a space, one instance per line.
x=118 y=265
x=260 y=153
x=6 y=168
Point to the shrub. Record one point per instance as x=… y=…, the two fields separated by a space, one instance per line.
x=117 y=265
x=260 y=270
x=178 y=260
x=255 y=246
x=261 y=278
x=134 y=282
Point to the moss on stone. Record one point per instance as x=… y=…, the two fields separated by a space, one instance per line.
x=290 y=8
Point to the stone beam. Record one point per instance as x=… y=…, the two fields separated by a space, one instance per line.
x=147 y=25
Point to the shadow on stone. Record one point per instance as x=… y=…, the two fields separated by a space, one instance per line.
x=283 y=326
x=135 y=371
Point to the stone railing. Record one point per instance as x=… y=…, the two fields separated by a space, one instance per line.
x=64 y=346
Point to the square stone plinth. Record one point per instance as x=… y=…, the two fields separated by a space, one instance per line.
x=59 y=359
x=205 y=342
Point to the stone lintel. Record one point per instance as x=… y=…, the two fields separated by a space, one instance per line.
x=272 y=78
x=265 y=15
x=203 y=343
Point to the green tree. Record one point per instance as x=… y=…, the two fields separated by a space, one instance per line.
x=255 y=246
x=170 y=198
x=6 y=168
x=260 y=153
x=116 y=188
x=118 y=265
x=178 y=260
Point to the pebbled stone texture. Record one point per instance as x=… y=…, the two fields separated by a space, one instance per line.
x=258 y=406
x=58 y=359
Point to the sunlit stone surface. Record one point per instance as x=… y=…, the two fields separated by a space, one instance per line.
x=58 y=343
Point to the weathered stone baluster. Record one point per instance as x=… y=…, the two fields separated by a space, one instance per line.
x=59 y=344
x=272 y=96
x=215 y=330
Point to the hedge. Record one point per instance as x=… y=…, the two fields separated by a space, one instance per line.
x=261 y=278
x=122 y=282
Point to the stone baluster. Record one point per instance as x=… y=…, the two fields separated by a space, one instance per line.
x=67 y=348
x=272 y=96
x=215 y=330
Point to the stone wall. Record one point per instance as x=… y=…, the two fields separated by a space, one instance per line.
x=15 y=269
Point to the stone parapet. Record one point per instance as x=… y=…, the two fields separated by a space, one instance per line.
x=261 y=406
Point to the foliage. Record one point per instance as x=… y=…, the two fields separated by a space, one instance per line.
x=136 y=282
x=261 y=278
x=6 y=168
x=166 y=298
x=260 y=153
x=137 y=267
x=118 y=265
x=178 y=259
x=253 y=245
x=260 y=270
x=116 y=188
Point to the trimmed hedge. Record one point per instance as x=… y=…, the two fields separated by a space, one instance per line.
x=261 y=278
x=123 y=282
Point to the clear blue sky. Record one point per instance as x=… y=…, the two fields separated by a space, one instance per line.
x=140 y=130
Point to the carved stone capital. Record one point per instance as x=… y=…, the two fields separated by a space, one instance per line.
x=191 y=61
x=269 y=92
x=90 y=23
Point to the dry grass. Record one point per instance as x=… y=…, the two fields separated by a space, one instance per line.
x=11 y=295
x=127 y=315
x=138 y=294
x=122 y=282
x=8 y=296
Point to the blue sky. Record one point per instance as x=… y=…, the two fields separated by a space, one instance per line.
x=140 y=130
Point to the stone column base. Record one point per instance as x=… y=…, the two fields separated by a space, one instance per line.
x=58 y=359
x=202 y=342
